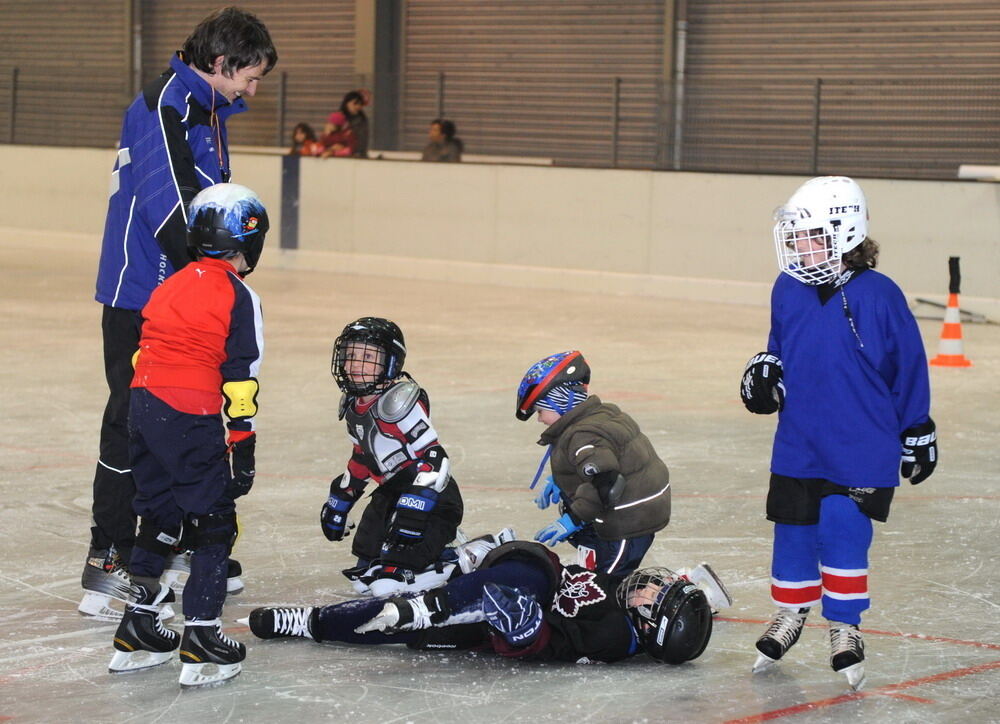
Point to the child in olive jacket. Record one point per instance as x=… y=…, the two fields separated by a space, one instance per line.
x=612 y=488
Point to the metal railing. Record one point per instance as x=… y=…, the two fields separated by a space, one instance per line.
x=889 y=129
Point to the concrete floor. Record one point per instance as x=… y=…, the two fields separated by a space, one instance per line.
x=933 y=633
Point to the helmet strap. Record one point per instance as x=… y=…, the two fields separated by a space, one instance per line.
x=541 y=467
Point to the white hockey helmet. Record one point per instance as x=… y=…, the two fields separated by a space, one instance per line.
x=823 y=220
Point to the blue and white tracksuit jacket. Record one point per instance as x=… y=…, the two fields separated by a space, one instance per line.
x=173 y=144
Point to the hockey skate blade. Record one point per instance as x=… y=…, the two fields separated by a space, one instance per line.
x=855 y=674
x=124 y=662
x=763 y=663
x=714 y=589
x=234 y=586
x=98 y=607
x=207 y=674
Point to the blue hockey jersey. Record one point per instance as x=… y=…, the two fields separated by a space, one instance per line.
x=173 y=144
x=855 y=376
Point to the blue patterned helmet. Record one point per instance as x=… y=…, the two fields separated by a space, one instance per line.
x=563 y=368
x=225 y=220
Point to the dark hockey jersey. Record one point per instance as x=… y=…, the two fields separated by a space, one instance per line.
x=583 y=621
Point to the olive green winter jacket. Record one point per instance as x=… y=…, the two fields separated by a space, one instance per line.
x=593 y=444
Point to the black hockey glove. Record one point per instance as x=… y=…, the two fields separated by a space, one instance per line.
x=920 y=453
x=412 y=511
x=333 y=517
x=761 y=389
x=241 y=457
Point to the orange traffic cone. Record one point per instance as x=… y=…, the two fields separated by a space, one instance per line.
x=950 y=348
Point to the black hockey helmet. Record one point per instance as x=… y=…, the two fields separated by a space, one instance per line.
x=562 y=368
x=670 y=614
x=225 y=220
x=368 y=334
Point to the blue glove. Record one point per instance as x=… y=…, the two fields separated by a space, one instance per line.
x=558 y=531
x=412 y=510
x=549 y=494
x=333 y=517
x=516 y=616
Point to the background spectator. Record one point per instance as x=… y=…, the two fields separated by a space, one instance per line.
x=304 y=142
x=346 y=130
x=442 y=144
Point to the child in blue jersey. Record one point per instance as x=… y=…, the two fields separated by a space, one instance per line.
x=846 y=371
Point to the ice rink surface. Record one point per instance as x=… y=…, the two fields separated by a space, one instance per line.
x=933 y=634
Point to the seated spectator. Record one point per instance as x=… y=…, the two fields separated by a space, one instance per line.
x=346 y=131
x=443 y=145
x=304 y=141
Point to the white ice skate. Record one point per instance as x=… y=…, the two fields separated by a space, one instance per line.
x=711 y=585
x=471 y=553
x=847 y=653
x=406 y=614
x=391 y=580
x=177 y=568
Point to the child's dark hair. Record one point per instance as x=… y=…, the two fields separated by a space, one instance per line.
x=306 y=129
x=448 y=130
x=352 y=96
x=237 y=35
x=863 y=256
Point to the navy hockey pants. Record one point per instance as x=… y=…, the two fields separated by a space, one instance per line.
x=181 y=471
x=465 y=598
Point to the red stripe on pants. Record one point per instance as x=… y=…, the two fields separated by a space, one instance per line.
x=845 y=584
x=792 y=597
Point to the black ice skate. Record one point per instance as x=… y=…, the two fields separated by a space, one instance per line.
x=209 y=656
x=847 y=653
x=177 y=568
x=106 y=585
x=782 y=633
x=142 y=641
x=277 y=623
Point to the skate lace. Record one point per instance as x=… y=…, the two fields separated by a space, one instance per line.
x=784 y=627
x=291 y=621
x=161 y=629
x=223 y=638
x=845 y=639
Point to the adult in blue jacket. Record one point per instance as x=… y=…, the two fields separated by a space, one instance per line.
x=846 y=370
x=173 y=144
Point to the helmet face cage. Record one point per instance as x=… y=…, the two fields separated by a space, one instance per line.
x=823 y=220
x=563 y=368
x=670 y=614
x=367 y=354
x=225 y=220
x=642 y=594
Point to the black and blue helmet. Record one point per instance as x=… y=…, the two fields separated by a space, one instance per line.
x=225 y=220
